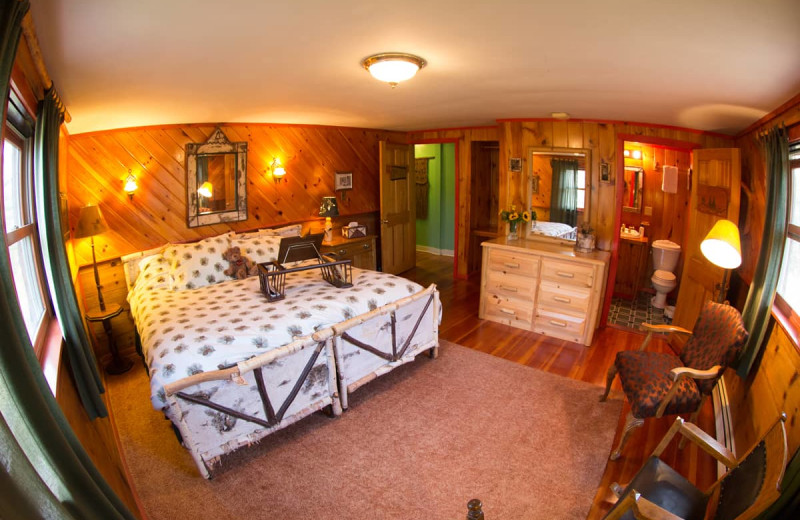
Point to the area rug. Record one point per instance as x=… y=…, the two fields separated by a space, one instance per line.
x=419 y=442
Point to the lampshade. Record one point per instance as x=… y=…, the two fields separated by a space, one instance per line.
x=328 y=208
x=90 y=222
x=206 y=190
x=721 y=246
x=393 y=67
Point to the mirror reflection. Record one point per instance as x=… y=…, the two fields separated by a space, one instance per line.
x=558 y=191
x=216 y=181
x=632 y=190
x=216 y=176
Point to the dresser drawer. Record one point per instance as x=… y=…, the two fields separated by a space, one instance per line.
x=568 y=273
x=514 y=263
x=563 y=296
x=511 y=311
x=559 y=324
x=512 y=285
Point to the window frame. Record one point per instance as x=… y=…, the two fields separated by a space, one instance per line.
x=788 y=317
x=18 y=130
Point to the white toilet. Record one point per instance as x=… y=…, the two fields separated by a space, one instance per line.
x=665 y=259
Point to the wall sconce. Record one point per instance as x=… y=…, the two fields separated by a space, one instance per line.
x=130 y=185
x=278 y=172
x=632 y=154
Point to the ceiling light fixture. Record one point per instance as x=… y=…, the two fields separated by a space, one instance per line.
x=393 y=67
x=559 y=115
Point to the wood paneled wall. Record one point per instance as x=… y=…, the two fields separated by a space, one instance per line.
x=98 y=163
x=517 y=136
x=774 y=383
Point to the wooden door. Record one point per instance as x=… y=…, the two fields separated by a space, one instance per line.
x=715 y=195
x=398 y=212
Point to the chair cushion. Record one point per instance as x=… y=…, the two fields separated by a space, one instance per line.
x=668 y=489
x=646 y=380
x=717 y=339
x=742 y=485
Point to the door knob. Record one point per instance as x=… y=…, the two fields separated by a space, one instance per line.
x=385 y=221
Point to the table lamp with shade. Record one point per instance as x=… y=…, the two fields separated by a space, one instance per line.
x=328 y=209
x=722 y=248
x=91 y=223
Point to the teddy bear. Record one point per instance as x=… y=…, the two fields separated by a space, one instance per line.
x=240 y=266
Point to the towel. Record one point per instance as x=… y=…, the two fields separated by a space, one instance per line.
x=669 y=181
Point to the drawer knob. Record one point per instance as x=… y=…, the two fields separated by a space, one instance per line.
x=365 y=246
x=508 y=311
x=564 y=274
x=509 y=289
x=562 y=299
x=343 y=251
x=558 y=323
x=511 y=265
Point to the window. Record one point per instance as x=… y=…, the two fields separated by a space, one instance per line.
x=21 y=231
x=581 y=186
x=788 y=299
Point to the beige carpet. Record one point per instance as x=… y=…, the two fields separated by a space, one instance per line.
x=416 y=443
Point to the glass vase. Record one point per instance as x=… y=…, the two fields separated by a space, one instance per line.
x=512 y=231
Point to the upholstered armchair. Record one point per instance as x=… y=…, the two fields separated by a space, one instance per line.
x=657 y=383
x=751 y=484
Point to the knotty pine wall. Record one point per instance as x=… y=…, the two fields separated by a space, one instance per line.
x=98 y=163
x=774 y=383
x=517 y=136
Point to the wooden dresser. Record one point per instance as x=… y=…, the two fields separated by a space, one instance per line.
x=360 y=250
x=543 y=287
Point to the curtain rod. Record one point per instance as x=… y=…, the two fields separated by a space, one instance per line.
x=29 y=32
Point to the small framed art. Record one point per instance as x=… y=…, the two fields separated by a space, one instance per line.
x=605 y=175
x=343 y=181
x=515 y=164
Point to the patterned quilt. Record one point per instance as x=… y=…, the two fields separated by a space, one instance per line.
x=185 y=332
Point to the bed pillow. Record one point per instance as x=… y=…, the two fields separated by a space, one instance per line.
x=259 y=249
x=295 y=230
x=198 y=264
x=154 y=273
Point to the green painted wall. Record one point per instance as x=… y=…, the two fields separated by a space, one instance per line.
x=438 y=230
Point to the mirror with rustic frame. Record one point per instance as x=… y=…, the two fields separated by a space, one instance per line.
x=559 y=190
x=216 y=181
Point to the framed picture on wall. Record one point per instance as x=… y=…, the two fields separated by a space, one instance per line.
x=605 y=175
x=343 y=181
x=515 y=164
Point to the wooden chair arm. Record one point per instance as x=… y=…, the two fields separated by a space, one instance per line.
x=665 y=329
x=681 y=372
x=643 y=508
x=699 y=437
x=659 y=329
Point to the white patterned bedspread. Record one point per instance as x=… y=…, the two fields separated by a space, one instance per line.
x=552 y=229
x=196 y=330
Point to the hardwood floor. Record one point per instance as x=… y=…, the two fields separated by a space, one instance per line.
x=460 y=324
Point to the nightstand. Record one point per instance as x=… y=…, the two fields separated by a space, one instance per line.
x=361 y=251
x=118 y=364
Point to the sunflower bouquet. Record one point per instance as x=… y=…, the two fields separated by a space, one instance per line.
x=514 y=217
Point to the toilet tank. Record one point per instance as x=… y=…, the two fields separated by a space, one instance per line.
x=665 y=255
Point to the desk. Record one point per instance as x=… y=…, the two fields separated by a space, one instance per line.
x=118 y=364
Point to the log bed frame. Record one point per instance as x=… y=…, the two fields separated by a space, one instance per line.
x=253 y=377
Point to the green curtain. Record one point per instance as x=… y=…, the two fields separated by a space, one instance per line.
x=62 y=291
x=564 y=193
x=44 y=470
x=756 y=312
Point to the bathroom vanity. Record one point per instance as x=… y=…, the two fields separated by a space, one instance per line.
x=631 y=265
x=544 y=287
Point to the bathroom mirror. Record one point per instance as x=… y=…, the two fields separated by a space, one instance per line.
x=216 y=181
x=559 y=186
x=633 y=186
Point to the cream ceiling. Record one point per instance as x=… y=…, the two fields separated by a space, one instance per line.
x=707 y=64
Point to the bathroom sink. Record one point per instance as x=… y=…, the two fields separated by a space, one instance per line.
x=629 y=233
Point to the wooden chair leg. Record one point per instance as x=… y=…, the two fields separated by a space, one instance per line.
x=612 y=373
x=631 y=423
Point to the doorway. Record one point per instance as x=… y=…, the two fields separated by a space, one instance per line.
x=653 y=194
x=435 y=185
